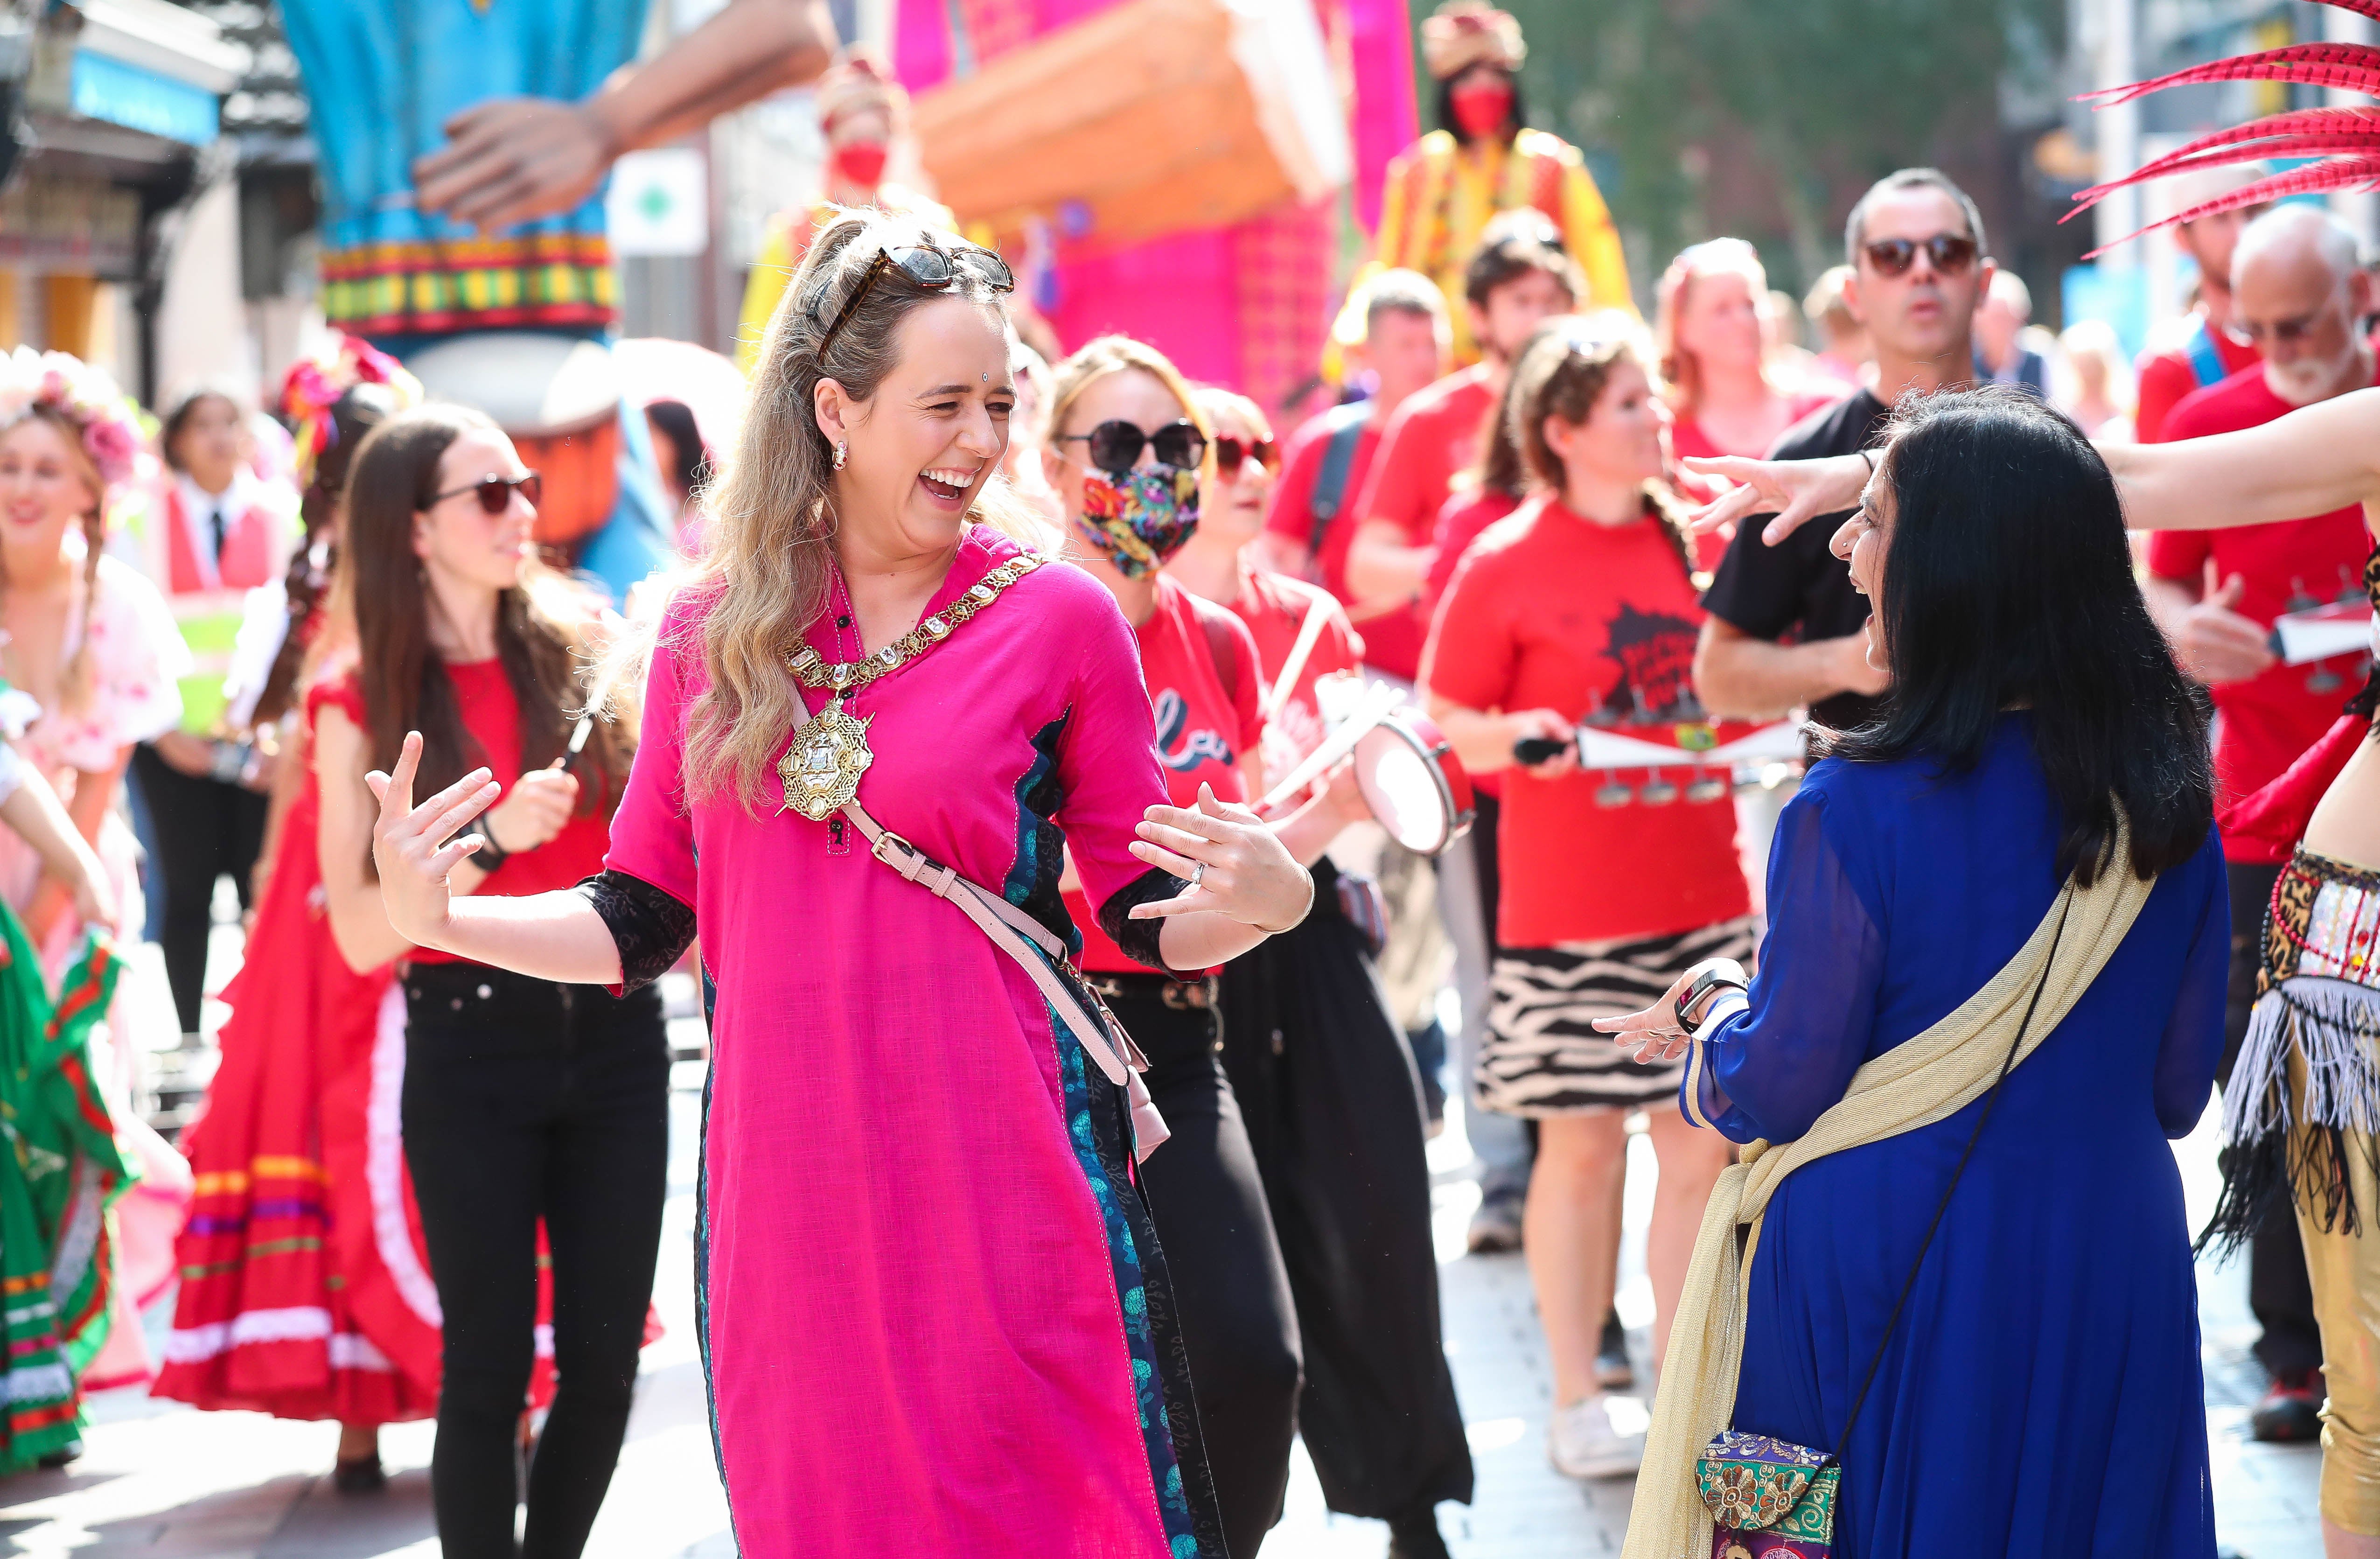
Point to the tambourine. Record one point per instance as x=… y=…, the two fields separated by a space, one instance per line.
x=1413 y=782
x=1692 y=744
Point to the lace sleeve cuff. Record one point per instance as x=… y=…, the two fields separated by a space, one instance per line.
x=651 y=929
x=1139 y=938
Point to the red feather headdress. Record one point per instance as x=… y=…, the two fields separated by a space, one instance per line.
x=2347 y=140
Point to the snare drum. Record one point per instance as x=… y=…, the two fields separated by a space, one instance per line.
x=1415 y=786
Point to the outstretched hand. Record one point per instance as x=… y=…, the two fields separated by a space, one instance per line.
x=412 y=863
x=1799 y=491
x=1234 y=862
x=1654 y=1033
x=513 y=160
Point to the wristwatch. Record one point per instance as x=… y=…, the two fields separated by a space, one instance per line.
x=1721 y=974
x=490 y=855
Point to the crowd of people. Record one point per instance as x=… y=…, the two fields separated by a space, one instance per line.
x=1071 y=988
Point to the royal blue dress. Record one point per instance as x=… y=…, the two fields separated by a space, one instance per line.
x=2041 y=1395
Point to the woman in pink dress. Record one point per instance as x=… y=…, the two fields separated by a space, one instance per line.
x=91 y=656
x=933 y=1310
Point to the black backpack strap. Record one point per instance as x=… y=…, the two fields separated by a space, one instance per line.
x=1338 y=459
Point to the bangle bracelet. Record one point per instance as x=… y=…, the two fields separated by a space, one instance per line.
x=490 y=855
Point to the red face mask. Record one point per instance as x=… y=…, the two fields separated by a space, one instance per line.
x=1481 y=111
x=860 y=163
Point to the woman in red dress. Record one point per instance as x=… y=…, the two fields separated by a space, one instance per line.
x=305 y=1286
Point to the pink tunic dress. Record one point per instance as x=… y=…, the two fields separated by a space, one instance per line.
x=933 y=1313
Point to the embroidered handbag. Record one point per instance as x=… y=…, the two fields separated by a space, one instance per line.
x=1771 y=1499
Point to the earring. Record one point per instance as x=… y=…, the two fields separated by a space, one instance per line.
x=842 y=453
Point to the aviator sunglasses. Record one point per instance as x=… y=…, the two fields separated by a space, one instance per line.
x=1951 y=253
x=929 y=268
x=1231 y=451
x=496 y=492
x=1116 y=446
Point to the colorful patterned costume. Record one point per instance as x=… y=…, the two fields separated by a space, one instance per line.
x=1440 y=195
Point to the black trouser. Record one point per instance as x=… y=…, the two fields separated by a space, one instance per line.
x=1334 y=1116
x=528 y=1100
x=1229 y=1285
x=204 y=827
x=2279 y=1289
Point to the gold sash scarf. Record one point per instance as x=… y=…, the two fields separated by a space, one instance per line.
x=1914 y=1084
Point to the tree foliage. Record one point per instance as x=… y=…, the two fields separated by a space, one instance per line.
x=1822 y=94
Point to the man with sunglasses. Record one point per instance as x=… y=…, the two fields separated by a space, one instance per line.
x=1784 y=629
x=2300 y=297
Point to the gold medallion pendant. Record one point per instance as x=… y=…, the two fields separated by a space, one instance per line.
x=821 y=769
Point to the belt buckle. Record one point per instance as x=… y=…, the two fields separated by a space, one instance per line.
x=886 y=840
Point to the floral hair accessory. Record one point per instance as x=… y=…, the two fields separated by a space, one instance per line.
x=64 y=387
x=314 y=384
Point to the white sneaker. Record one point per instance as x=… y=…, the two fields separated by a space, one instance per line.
x=1581 y=1443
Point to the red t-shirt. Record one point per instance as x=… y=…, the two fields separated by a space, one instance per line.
x=1464 y=520
x=1551 y=611
x=1687 y=441
x=2170 y=377
x=1292 y=513
x=492 y=719
x=2270 y=719
x=1202 y=728
x=1430 y=440
x=1274 y=609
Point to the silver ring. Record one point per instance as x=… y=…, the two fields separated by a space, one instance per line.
x=1198 y=872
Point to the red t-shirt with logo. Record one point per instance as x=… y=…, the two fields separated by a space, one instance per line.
x=492 y=720
x=1292 y=513
x=1551 y=611
x=1433 y=438
x=2267 y=721
x=2170 y=377
x=1202 y=728
x=1274 y=608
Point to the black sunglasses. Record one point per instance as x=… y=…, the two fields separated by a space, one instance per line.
x=1116 y=446
x=1951 y=253
x=496 y=492
x=930 y=268
x=1231 y=451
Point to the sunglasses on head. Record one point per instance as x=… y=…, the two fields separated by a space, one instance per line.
x=932 y=269
x=1116 y=446
x=1949 y=253
x=1231 y=450
x=496 y=492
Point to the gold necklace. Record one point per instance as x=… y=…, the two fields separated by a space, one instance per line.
x=821 y=768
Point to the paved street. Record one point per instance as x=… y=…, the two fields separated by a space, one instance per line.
x=163 y=1482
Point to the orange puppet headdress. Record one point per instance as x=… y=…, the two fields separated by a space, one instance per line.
x=1462 y=33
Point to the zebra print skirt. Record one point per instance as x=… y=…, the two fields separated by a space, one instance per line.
x=1542 y=1058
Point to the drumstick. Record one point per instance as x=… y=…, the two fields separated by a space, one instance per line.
x=1382 y=698
x=1309 y=633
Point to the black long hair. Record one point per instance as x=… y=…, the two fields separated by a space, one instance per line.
x=2007 y=583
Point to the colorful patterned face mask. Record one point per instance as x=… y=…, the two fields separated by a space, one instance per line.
x=1139 y=517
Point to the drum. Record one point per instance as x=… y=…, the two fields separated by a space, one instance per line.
x=1415 y=786
x=1143 y=119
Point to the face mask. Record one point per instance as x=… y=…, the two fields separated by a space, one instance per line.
x=861 y=162
x=1481 y=111
x=1141 y=517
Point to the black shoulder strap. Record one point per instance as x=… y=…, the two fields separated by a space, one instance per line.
x=1338 y=458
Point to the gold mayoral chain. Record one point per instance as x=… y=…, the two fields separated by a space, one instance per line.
x=821 y=769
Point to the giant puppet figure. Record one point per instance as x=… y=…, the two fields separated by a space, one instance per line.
x=463 y=145
x=1443 y=190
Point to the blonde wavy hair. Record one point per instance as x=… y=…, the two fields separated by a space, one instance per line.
x=768 y=556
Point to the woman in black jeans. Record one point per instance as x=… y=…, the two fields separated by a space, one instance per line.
x=524 y=1099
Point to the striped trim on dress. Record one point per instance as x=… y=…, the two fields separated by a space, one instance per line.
x=1542 y=1058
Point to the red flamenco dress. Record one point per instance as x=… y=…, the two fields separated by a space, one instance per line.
x=306 y=1286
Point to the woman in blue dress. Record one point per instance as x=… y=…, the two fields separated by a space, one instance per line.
x=2039 y=1392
